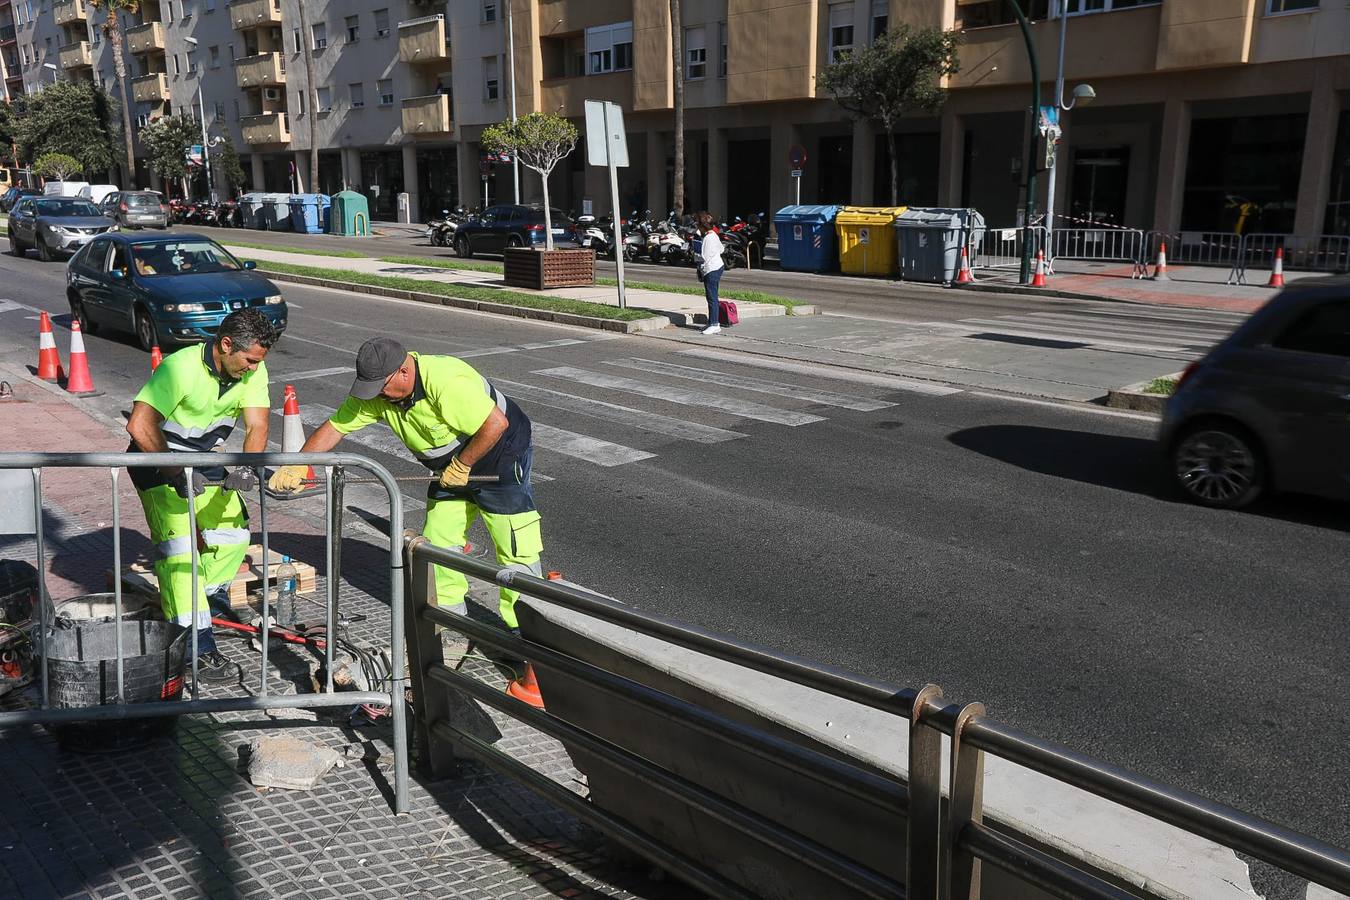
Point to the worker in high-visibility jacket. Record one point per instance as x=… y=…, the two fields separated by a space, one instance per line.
x=191 y=403
x=456 y=424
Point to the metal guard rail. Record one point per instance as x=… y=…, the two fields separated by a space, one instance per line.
x=937 y=841
x=115 y=462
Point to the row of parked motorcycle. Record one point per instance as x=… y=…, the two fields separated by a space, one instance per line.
x=673 y=240
x=225 y=214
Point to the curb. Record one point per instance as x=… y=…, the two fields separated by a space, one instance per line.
x=1024 y=291
x=633 y=326
x=1134 y=397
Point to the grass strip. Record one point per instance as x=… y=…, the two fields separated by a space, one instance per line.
x=462 y=291
x=1166 y=386
x=305 y=251
x=443 y=263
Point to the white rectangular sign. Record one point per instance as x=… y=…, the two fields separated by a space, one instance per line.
x=602 y=141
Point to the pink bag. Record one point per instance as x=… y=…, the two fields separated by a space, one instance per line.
x=726 y=313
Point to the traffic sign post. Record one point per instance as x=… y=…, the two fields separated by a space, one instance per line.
x=607 y=145
x=796 y=162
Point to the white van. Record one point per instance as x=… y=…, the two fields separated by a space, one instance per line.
x=96 y=193
x=64 y=188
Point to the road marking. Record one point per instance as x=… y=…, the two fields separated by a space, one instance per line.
x=314 y=373
x=10 y=306
x=296 y=337
x=1122 y=327
x=758 y=385
x=612 y=412
x=683 y=396
x=541 y=345
x=891 y=382
x=593 y=450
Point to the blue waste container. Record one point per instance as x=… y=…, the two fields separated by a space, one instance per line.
x=309 y=213
x=806 y=239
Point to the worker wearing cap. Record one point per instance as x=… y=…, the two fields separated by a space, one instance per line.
x=191 y=403
x=456 y=424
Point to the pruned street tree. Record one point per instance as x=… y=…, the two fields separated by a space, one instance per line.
x=166 y=141
x=112 y=29
x=225 y=163
x=74 y=118
x=900 y=73
x=57 y=166
x=540 y=141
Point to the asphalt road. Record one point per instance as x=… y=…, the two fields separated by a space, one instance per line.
x=1024 y=554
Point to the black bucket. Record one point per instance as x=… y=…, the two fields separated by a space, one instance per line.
x=100 y=607
x=82 y=672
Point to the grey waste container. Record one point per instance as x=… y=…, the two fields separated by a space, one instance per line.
x=250 y=205
x=928 y=242
x=276 y=212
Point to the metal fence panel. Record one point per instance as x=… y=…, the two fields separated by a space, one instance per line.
x=1001 y=248
x=1118 y=245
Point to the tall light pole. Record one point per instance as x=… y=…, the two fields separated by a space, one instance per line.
x=511 y=64
x=206 y=146
x=1082 y=94
x=1029 y=207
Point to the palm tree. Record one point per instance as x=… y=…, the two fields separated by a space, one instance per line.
x=677 y=73
x=112 y=29
x=312 y=90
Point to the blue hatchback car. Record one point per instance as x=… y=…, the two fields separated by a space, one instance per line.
x=166 y=289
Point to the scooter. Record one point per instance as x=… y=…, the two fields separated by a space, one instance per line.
x=590 y=233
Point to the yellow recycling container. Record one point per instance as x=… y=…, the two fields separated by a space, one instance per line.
x=867 y=239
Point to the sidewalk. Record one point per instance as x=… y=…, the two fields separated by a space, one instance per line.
x=178 y=818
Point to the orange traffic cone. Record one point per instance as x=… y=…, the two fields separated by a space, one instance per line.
x=964 y=276
x=156 y=357
x=526 y=688
x=1160 y=270
x=1277 y=273
x=1038 y=280
x=79 y=381
x=292 y=429
x=49 y=361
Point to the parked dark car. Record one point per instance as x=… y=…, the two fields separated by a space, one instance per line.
x=54 y=226
x=511 y=226
x=165 y=289
x=14 y=194
x=1269 y=408
x=136 y=209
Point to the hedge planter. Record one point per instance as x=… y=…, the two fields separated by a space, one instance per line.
x=540 y=270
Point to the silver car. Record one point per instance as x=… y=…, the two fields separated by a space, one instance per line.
x=54 y=226
x=136 y=209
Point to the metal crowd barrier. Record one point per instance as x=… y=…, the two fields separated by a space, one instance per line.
x=1302 y=252
x=944 y=846
x=1001 y=248
x=1116 y=245
x=264 y=699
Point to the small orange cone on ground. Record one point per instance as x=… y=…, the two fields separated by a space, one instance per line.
x=1277 y=273
x=526 y=687
x=1038 y=280
x=1160 y=270
x=964 y=276
x=49 y=361
x=79 y=381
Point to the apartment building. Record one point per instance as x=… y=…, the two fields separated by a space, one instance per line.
x=1209 y=115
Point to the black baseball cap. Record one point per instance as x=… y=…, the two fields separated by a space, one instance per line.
x=377 y=359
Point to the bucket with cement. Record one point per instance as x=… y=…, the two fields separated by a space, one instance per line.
x=82 y=661
x=101 y=607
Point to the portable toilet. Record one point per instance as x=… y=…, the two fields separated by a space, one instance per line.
x=929 y=241
x=350 y=215
x=867 y=239
x=806 y=241
x=309 y=213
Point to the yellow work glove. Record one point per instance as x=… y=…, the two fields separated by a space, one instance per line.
x=455 y=475
x=288 y=479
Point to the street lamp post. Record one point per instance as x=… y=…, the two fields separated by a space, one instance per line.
x=206 y=146
x=1083 y=94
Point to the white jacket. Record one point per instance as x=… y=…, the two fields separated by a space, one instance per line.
x=710 y=253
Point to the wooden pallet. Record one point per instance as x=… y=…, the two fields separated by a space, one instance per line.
x=140 y=576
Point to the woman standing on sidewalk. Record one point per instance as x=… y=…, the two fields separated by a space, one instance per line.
x=710 y=269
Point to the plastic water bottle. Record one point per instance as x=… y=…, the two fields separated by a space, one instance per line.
x=287 y=611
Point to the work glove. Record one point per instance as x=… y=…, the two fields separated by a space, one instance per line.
x=241 y=480
x=455 y=475
x=180 y=483
x=288 y=479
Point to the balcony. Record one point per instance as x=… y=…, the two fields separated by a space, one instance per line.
x=70 y=12
x=568 y=96
x=76 y=55
x=7 y=34
x=251 y=13
x=150 y=88
x=147 y=38
x=268 y=128
x=427 y=115
x=260 y=70
x=423 y=40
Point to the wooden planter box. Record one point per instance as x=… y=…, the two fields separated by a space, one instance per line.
x=540 y=270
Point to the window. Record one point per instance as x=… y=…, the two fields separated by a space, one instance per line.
x=168 y=13
x=192 y=60
x=319 y=31
x=695 y=54
x=232 y=57
x=353 y=29
x=95 y=36
x=219 y=111
x=1078 y=7
x=491 y=86
x=187 y=10
x=382 y=23
x=881 y=18
x=841 y=31
x=1325 y=329
x=1283 y=6
x=356 y=92
x=489 y=11
x=295 y=39
x=722 y=55
x=177 y=64
x=300 y=103
x=214 y=53
x=385 y=88
x=324 y=99
x=609 y=48
x=984 y=13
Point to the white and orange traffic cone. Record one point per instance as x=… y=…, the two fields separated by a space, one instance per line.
x=292 y=429
x=79 y=381
x=156 y=357
x=1160 y=270
x=49 y=361
x=964 y=275
x=1277 y=273
x=1038 y=280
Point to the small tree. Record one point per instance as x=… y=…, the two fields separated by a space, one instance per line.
x=166 y=141
x=74 y=118
x=900 y=73
x=57 y=166
x=228 y=169
x=540 y=141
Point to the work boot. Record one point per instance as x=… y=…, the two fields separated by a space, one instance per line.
x=212 y=666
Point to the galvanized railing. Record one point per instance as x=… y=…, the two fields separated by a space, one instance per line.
x=1001 y=248
x=1301 y=253
x=944 y=846
x=265 y=698
x=1113 y=245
